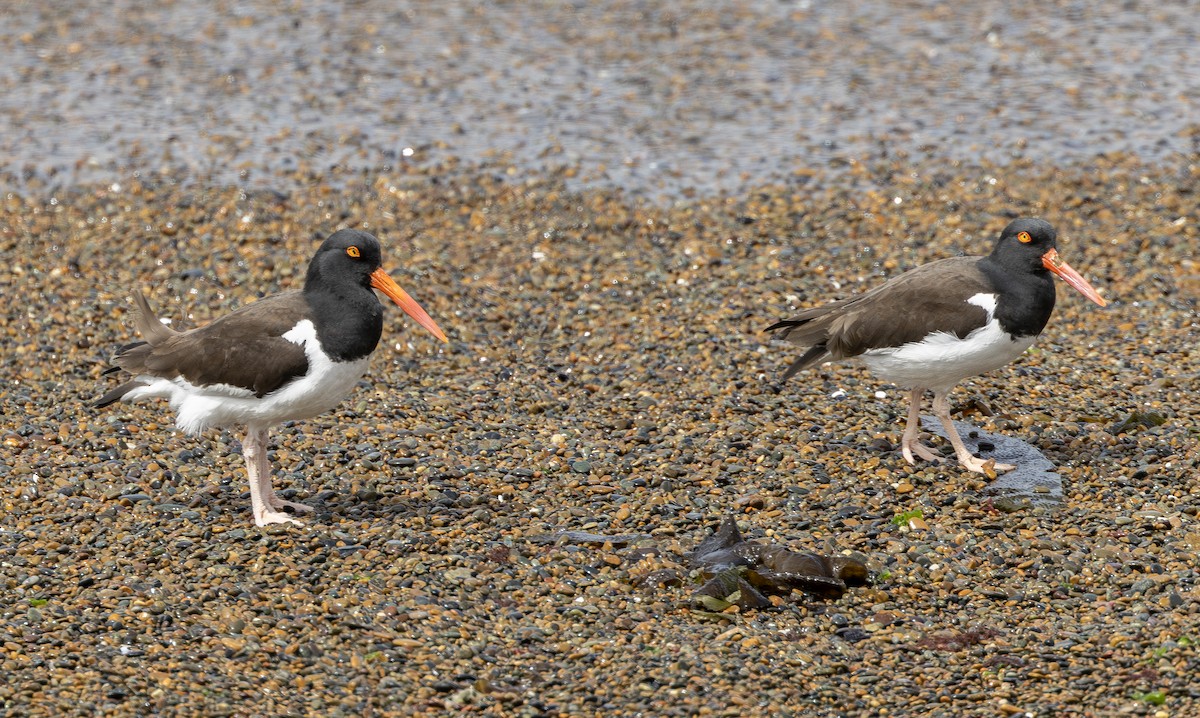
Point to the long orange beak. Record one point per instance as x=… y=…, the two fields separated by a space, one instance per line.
x=1051 y=261
x=381 y=281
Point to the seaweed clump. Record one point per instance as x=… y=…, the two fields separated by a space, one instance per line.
x=742 y=572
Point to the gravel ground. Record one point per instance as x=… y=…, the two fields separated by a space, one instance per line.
x=606 y=374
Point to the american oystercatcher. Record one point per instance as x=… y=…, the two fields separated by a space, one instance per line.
x=289 y=356
x=935 y=325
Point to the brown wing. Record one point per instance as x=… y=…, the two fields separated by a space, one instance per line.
x=928 y=299
x=244 y=349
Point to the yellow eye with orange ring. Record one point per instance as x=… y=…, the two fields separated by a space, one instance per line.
x=1023 y=238
x=353 y=251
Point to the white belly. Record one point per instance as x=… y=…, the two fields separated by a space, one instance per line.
x=940 y=361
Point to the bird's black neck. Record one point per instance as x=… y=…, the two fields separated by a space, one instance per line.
x=1025 y=296
x=348 y=319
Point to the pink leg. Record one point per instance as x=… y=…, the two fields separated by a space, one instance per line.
x=909 y=444
x=941 y=408
x=263 y=501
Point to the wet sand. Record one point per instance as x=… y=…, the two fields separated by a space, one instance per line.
x=704 y=97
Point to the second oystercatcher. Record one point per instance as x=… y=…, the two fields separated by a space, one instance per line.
x=289 y=356
x=935 y=325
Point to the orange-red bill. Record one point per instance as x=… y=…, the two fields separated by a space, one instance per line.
x=1051 y=261
x=381 y=281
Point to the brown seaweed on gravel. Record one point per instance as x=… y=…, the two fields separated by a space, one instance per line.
x=746 y=570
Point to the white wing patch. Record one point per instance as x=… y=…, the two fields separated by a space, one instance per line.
x=985 y=301
x=301 y=333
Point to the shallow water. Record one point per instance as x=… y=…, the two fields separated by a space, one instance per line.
x=1034 y=480
x=702 y=96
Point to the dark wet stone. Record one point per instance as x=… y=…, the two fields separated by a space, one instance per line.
x=848 y=511
x=1142 y=586
x=881 y=445
x=1010 y=504
x=1137 y=421
x=368 y=495
x=662 y=577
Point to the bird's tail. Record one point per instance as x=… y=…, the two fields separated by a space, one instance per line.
x=816 y=354
x=131 y=357
x=117 y=394
x=787 y=325
x=812 y=357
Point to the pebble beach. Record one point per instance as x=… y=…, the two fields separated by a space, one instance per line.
x=503 y=523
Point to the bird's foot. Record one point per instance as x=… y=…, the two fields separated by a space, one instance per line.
x=908 y=449
x=277 y=503
x=268 y=516
x=988 y=467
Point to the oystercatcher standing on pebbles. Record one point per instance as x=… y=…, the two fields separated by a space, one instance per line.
x=934 y=326
x=289 y=356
